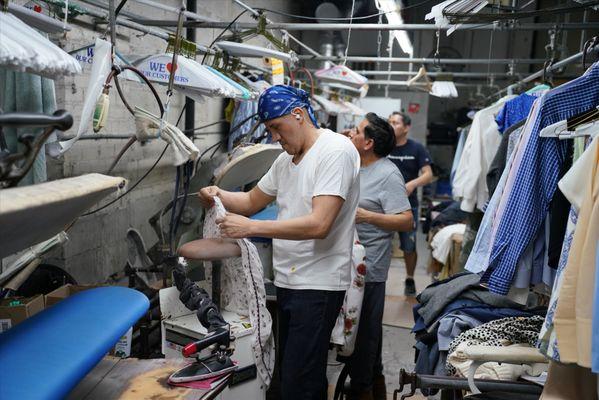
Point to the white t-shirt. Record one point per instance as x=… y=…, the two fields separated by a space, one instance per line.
x=330 y=167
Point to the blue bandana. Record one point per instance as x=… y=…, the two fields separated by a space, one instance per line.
x=279 y=100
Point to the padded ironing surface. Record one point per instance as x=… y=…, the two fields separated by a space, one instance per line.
x=46 y=356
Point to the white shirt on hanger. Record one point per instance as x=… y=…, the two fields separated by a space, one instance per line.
x=469 y=184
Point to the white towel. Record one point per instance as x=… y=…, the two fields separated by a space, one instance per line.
x=148 y=127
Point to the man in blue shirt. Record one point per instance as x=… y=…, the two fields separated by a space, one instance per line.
x=414 y=163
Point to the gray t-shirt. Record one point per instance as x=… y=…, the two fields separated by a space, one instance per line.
x=382 y=190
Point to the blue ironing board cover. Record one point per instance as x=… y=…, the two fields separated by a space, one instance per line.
x=46 y=356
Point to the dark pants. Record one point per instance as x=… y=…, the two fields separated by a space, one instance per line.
x=366 y=363
x=306 y=320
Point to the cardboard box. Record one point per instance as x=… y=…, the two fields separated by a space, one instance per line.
x=11 y=315
x=65 y=291
x=122 y=348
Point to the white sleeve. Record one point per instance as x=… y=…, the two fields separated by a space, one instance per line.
x=335 y=174
x=269 y=184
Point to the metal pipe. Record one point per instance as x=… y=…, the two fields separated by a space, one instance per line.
x=380 y=27
x=133 y=25
x=296 y=40
x=190 y=34
x=189 y=14
x=433 y=74
x=453 y=61
x=538 y=74
x=37 y=20
x=405 y=83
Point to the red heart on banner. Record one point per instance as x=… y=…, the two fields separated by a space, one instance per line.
x=343 y=73
x=37 y=8
x=169 y=67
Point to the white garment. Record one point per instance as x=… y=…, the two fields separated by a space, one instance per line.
x=331 y=167
x=345 y=331
x=147 y=126
x=441 y=242
x=469 y=182
x=571 y=181
x=493 y=370
x=243 y=293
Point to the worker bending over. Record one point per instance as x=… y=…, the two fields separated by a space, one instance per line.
x=315 y=183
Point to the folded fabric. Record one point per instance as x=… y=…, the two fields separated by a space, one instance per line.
x=149 y=126
x=492 y=370
x=501 y=332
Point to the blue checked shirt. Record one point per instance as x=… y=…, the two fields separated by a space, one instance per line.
x=536 y=180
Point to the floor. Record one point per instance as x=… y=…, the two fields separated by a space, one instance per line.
x=397 y=340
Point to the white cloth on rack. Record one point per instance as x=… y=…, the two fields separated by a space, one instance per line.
x=469 y=182
x=441 y=242
x=24 y=49
x=148 y=127
x=243 y=292
x=345 y=331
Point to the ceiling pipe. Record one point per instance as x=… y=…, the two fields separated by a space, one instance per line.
x=376 y=27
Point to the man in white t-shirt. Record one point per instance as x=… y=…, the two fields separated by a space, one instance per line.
x=316 y=186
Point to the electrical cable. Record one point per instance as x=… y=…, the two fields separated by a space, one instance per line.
x=223 y=32
x=144 y=176
x=341 y=18
x=353 y=4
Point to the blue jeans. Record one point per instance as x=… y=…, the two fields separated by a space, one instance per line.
x=306 y=320
x=407 y=240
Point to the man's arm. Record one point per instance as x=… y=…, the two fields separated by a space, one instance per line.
x=402 y=222
x=315 y=225
x=425 y=177
x=244 y=203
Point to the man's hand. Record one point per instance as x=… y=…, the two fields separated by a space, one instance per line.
x=362 y=216
x=410 y=187
x=235 y=226
x=207 y=195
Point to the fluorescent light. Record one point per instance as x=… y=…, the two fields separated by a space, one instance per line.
x=391 y=10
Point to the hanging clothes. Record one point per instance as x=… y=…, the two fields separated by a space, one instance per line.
x=514 y=110
x=243 y=292
x=478 y=259
x=458 y=152
x=574 y=312
x=536 y=179
x=499 y=161
x=569 y=186
x=469 y=184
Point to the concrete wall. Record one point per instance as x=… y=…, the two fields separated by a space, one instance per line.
x=97 y=246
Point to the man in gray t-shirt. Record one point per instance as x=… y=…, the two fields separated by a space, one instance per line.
x=383 y=209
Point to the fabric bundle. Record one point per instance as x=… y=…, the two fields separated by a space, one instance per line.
x=149 y=126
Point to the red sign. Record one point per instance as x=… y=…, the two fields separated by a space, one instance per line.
x=413 y=108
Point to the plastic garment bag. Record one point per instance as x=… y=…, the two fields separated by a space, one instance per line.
x=100 y=70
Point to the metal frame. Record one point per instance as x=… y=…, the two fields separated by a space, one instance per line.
x=377 y=27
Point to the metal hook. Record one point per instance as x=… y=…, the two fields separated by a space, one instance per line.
x=437 y=56
x=589 y=44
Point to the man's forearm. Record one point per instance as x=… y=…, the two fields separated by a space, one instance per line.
x=235 y=202
x=402 y=222
x=422 y=180
x=301 y=228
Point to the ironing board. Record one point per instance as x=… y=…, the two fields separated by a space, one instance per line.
x=46 y=356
